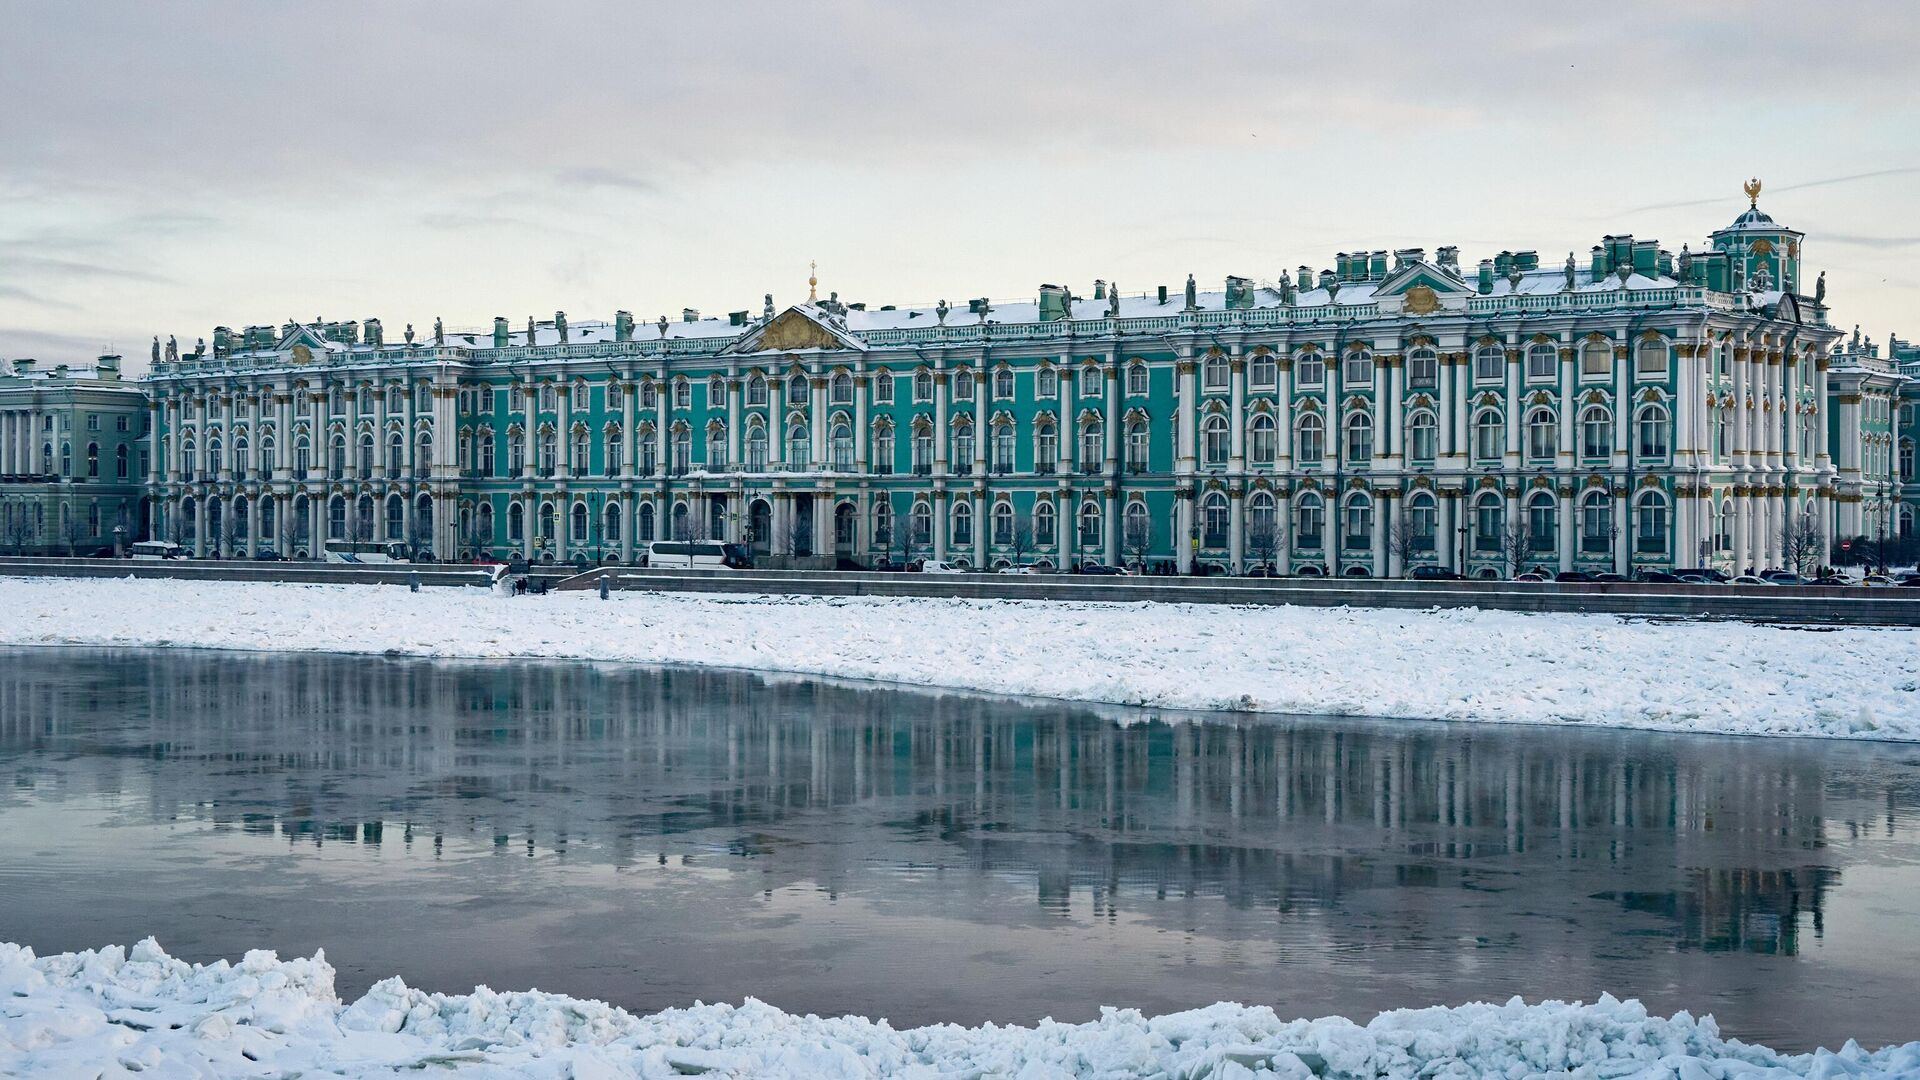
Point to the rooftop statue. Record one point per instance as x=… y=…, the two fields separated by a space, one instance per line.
x=409 y=333
x=1820 y=288
x=1113 y=300
x=439 y=332
x=1193 y=294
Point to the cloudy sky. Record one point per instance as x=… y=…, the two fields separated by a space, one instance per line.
x=171 y=167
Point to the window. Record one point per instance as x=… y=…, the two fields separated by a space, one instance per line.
x=883 y=523
x=339 y=457
x=840 y=390
x=1213 y=520
x=549 y=451
x=1046 y=383
x=643 y=526
x=840 y=446
x=963 y=383
x=1262 y=446
x=610 y=522
x=1045 y=534
x=757 y=390
x=1358 y=370
x=1542 y=359
x=1213 y=372
x=923 y=385
x=1541 y=435
x=1596 y=522
x=93 y=422
x=962 y=523
x=1310 y=520
x=616 y=455
x=798 y=447
x=1423 y=368
x=962 y=443
x=93 y=459
x=1422 y=438
x=1596 y=432
x=1137 y=529
x=716 y=447
x=577 y=523
x=1046 y=447
x=1090 y=380
x=1652 y=426
x=1139 y=445
x=756 y=448
x=1359 y=439
x=1137 y=379
x=548 y=399
x=1488 y=436
x=1003 y=523
x=716 y=392
x=649 y=449
x=920 y=523
x=1489 y=518
x=1093 y=446
x=1264 y=371
x=1262 y=525
x=883 y=387
x=1543 y=521
x=1358 y=528
x=1003 y=383
x=797 y=389
x=1596 y=360
x=649 y=395
x=1489 y=363
x=120 y=461
x=1650 y=524
x=336 y=518
x=396 y=454
x=1422 y=522
x=1311 y=369
x=1310 y=438
x=1089 y=525
x=1650 y=359
x=883 y=449
x=1214 y=440
x=119 y=423
x=922 y=449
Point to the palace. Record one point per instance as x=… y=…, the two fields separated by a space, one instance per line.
x=1633 y=409
x=73 y=459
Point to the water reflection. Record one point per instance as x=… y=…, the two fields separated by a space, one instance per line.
x=820 y=845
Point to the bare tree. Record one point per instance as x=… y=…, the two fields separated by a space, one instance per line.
x=422 y=538
x=72 y=531
x=1403 y=543
x=292 y=533
x=1136 y=539
x=235 y=529
x=1800 y=546
x=1516 y=547
x=362 y=524
x=20 y=531
x=1020 y=541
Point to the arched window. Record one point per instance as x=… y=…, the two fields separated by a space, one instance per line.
x=610 y=522
x=1089 y=525
x=716 y=446
x=120 y=462
x=922 y=449
x=1489 y=434
x=962 y=443
x=797 y=447
x=1046 y=446
x=336 y=518
x=1489 y=521
x=1423 y=368
x=883 y=523
x=1093 y=445
x=883 y=388
x=1263 y=370
x=616 y=451
x=1906 y=460
x=963 y=384
x=1045 y=534
x=93 y=459
x=962 y=523
x=1723 y=540
x=682 y=393
x=649 y=394
x=1137 y=379
x=840 y=446
x=1358 y=369
x=516 y=523
x=1596 y=360
x=1139 y=445
x=796 y=389
x=1310 y=369
x=365 y=464
x=1423 y=438
x=1489 y=363
x=1596 y=432
x=302 y=458
x=1543 y=521
x=1213 y=372
x=1046 y=383
x=1263 y=524
x=549 y=399
x=396 y=518
x=840 y=389
x=1359 y=439
x=1310 y=440
x=1650 y=359
x=215 y=462
x=582 y=452
x=1262 y=445
x=716 y=392
x=757 y=390
x=549 y=451
x=1653 y=425
x=578 y=524
x=923 y=385
x=680 y=445
x=339 y=463
x=1422 y=522
x=1596 y=522
x=756 y=446
x=1357 y=531
x=547 y=523
x=920 y=524
x=396 y=454
x=1003 y=523
x=269 y=520
x=883 y=448
x=643 y=525
x=1213 y=520
x=1001 y=449
x=1310 y=516
x=1542 y=435
x=1650 y=523
x=1214 y=440
x=1542 y=359
x=1003 y=383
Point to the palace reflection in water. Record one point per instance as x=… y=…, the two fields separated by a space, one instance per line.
x=716 y=834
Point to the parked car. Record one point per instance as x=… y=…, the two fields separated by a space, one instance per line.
x=1530 y=575
x=1101 y=569
x=1263 y=571
x=1576 y=577
x=268 y=555
x=1433 y=573
x=1785 y=577
x=1879 y=580
x=1833 y=579
x=1657 y=577
x=940 y=566
x=1017 y=570
x=1749 y=579
x=1608 y=577
x=1695 y=579
x=1911 y=581
x=1707 y=573
x=157 y=549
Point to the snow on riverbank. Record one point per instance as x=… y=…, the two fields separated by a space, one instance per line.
x=113 y=1012
x=1440 y=664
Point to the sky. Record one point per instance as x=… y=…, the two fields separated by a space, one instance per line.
x=168 y=168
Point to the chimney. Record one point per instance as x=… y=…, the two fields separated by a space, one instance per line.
x=1099 y=289
x=623 y=326
x=107 y=368
x=689 y=314
x=500 y=333
x=23 y=367
x=1163 y=294
x=1053 y=303
x=736 y=318
x=1486 y=276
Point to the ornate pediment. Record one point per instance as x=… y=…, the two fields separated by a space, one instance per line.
x=1425 y=286
x=798 y=329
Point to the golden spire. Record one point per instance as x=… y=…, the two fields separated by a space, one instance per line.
x=813 y=282
x=1752 y=188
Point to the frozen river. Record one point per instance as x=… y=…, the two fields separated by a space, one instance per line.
x=650 y=837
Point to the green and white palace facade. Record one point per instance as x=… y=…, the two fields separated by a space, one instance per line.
x=1630 y=409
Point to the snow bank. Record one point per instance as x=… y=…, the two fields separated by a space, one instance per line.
x=1439 y=664
x=113 y=1012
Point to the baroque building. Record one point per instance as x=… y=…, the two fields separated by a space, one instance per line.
x=1871 y=417
x=1632 y=409
x=73 y=459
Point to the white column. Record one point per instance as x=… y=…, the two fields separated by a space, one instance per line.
x=1188 y=417
x=940 y=433
x=1064 y=525
x=1569 y=528
x=1237 y=402
x=1515 y=412
x=981 y=436
x=817 y=427
x=1236 y=520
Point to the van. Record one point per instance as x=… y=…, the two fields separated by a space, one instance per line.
x=153 y=550
x=698 y=555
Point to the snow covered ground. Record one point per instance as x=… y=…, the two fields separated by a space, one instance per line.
x=114 y=1012
x=1441 y=664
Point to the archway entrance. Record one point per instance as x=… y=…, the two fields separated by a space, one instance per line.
x=760 y=526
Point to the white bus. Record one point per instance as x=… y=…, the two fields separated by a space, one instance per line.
x=365 y=551
x=156 y=549
x=699 y=555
